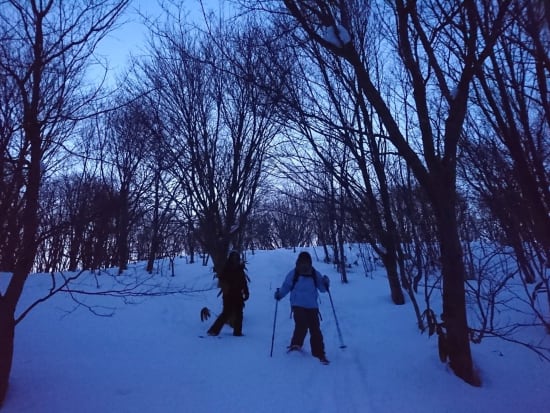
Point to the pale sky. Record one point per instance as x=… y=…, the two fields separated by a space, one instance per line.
x=131 y=35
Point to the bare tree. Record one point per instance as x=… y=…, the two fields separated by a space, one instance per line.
x=127 y=147
x=505 y=164
x=512 y=98
x=44 y=50
x=439 y=48
x=218 y=124
x=11 y=171
x=323 y=104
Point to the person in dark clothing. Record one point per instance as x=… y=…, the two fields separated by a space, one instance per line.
x=303 y=282
x=234 y=287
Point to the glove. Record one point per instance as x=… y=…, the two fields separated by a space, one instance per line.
x=205 y=314
x=326 y=281
x=277 y=295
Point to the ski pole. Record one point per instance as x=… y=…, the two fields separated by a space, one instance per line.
x=342 y=345
x=274 y=321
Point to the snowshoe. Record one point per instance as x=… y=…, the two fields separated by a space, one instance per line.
x=324 y=360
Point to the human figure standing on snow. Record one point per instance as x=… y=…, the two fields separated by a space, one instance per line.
x=303 y=282
x=234 y=287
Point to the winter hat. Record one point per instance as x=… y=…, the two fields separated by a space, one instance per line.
x=304 y=264
x=234 y=259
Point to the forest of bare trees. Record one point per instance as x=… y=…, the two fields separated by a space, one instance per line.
x=417 y=129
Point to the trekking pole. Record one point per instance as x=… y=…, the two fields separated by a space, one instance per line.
x=342 y=345
x=274 y=321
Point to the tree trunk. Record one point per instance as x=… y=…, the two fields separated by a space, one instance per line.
x=219 y=253
x=23 y=266
x=10 y=251
x=155 y=228
x=153 y=250
x=123 y=229
x=343 y=269
x=25 y=259
x=454 y=294
x=409 y=288
x=389 y=260
x=7 y=334
x=75 y=246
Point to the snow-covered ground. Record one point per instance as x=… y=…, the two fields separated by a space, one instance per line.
x=147 y=356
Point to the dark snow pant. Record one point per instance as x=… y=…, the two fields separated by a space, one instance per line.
x=232 y=311
x=308 y=319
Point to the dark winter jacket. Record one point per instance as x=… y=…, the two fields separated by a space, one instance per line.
x=233 y=283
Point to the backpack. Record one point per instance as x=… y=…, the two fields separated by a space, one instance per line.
x=296 y=276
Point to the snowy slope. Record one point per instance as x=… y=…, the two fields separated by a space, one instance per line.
x=147 y=356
